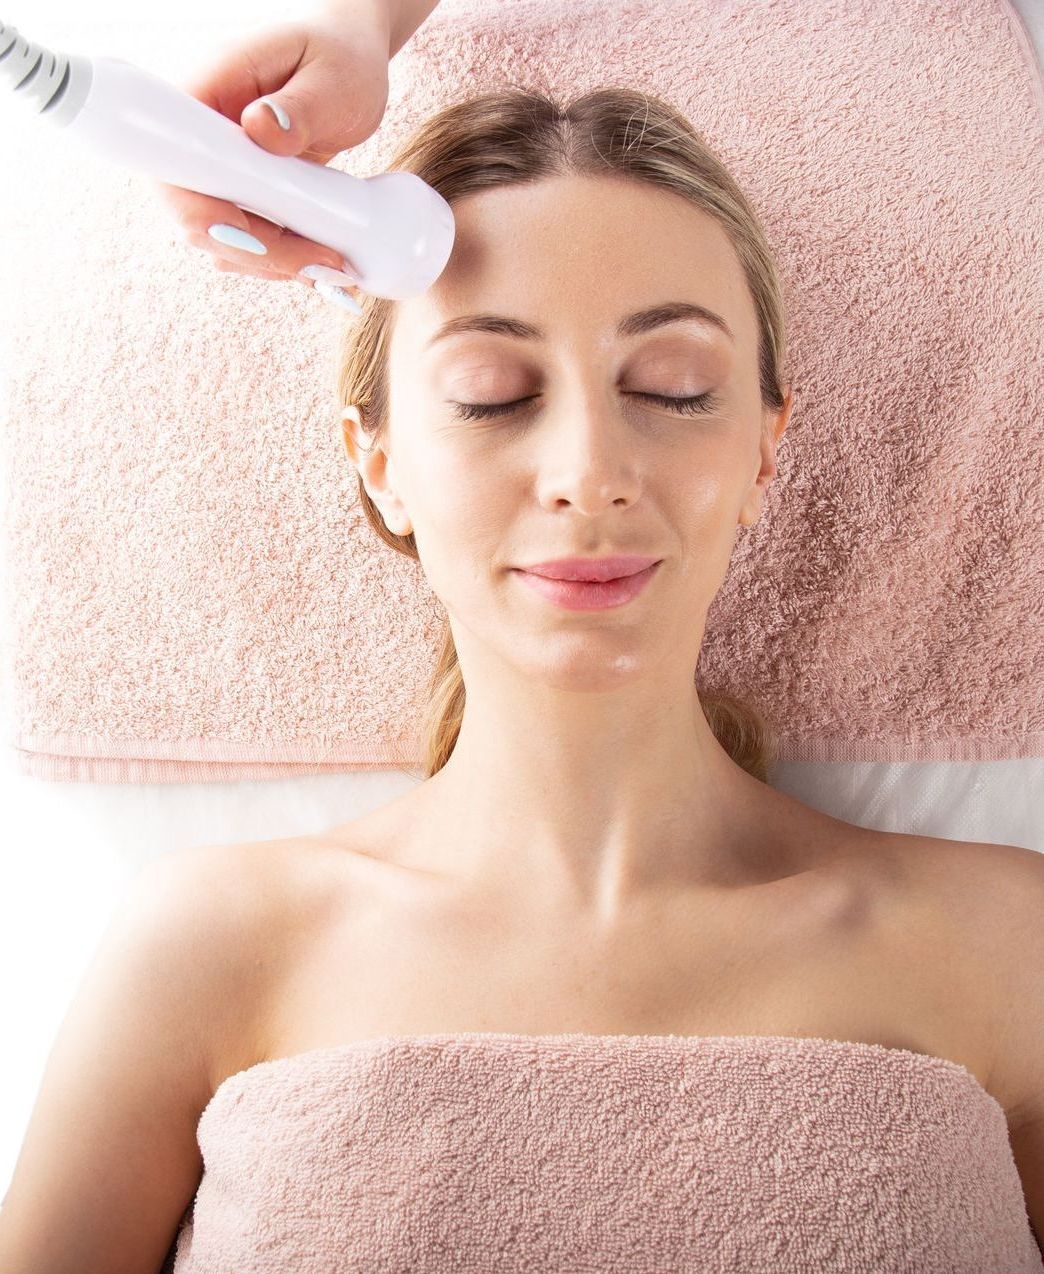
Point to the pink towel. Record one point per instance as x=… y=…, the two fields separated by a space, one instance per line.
x=195 y=592
x=589 y=1153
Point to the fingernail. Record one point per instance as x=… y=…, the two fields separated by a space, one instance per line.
x=282 y=118
x=236 y=238
x=325 y=274
x=338 y=297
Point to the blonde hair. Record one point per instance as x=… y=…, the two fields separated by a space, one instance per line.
x=519 y=135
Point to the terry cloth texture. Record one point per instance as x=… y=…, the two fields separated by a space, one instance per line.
x=588 y=1154
x=195 y=591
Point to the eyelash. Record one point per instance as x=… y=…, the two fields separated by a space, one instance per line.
x=683 y=406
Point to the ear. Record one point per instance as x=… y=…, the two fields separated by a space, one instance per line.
x=355 y=441
x=371 y=462
x=775 y=426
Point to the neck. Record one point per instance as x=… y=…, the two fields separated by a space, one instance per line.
x=592 y=803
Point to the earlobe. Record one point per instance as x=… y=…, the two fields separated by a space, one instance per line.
x=359 y=452
x=774 y=428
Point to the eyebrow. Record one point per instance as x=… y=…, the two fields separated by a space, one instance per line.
x=635 y=324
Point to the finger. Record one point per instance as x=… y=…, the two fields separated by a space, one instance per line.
x=243 y=75
x=310 y=95
x=260 y=120
x=197 y=212
x=233 y=78
x=236 y=267
x=247 y=265
x=285 y=251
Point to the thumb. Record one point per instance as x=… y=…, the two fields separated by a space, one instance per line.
x=333 y=101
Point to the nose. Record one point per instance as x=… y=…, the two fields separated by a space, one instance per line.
x=591 y=460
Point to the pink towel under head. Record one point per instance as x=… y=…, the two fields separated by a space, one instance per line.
x=585 y=1154
x=196 y=594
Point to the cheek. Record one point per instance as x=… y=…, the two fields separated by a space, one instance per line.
x=466 y=504
x=706 y=507
x=462 y=522
x=705 y=487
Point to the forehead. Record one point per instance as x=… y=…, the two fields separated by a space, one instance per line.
x=573 y=257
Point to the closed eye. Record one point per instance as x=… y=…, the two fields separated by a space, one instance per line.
x=685 y=406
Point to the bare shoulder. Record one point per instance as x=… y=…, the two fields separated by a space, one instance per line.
x=169 y=998
x=1008 y=923
x=245 y=904
x=969 y=876
x=985 y=902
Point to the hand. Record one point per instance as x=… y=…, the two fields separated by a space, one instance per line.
x=330 y=76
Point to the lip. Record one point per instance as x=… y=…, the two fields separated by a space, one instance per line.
x=591 y=569
x=574 y=594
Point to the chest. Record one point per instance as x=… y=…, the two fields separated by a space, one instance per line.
x=838 y=954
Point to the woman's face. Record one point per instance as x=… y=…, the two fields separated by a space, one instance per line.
x=585 y=466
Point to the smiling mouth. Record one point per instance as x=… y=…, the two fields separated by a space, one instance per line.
x=592 y=569
x=589 y=594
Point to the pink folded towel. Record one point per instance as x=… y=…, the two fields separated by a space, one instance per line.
x=585 y=1154
x=195 y=592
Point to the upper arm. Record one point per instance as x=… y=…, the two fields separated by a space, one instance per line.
x=109 y=1162
x=1018 y=916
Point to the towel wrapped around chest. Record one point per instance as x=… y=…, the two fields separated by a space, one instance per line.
x=586 y=1153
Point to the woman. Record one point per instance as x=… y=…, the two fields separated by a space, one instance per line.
x=592 y=850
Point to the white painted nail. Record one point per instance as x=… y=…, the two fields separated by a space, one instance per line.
x=330 y=293
x=282 y=118
x=325 y=274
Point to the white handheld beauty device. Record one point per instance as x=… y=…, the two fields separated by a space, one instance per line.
x=396 y=231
